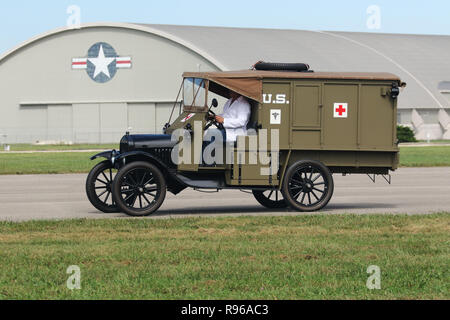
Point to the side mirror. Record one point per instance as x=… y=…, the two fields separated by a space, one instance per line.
x=215 y=103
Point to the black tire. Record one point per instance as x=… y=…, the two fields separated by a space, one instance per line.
x=270 y=199
x=269 y=66
x=308 y=186
x=99 y=187
x=139 y=189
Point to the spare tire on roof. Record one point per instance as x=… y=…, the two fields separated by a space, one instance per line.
x=270 y=66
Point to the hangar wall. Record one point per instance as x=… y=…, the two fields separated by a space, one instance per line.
x=89 y=122
x=44 y=99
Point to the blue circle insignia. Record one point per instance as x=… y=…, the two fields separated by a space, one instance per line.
x=101 y=62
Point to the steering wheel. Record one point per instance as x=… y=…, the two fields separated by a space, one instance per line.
x=211 y=120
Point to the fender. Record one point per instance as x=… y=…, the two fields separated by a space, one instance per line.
x=105 y=154
x=185 y=180
x=175 y=184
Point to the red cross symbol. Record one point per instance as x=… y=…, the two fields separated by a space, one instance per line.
x=341 y=110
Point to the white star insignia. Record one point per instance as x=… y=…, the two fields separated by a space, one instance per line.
x=101 y=63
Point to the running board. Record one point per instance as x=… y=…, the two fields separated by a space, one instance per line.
x=198 y=181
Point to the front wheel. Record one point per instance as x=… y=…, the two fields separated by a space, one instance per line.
x=308 y=186
x=99 y=187
x=139 y=189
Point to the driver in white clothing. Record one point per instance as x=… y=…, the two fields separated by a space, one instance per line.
x=235 y=116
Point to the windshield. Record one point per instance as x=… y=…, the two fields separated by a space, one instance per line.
x=194 y=93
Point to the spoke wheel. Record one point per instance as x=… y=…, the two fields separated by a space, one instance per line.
x=272 y=199
x=99 y=187
x=139 y=189
x=308 y=186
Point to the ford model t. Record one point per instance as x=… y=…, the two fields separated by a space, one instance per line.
x=303 y=127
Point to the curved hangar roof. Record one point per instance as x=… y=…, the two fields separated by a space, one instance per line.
x=420 y=60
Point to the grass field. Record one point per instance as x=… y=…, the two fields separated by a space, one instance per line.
x=425 y=156
x=78 y=162
x=46 y=163
x=30 y=147
x=436 y=141
x=305 y=257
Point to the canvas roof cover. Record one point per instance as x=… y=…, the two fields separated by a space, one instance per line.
x=249 y=82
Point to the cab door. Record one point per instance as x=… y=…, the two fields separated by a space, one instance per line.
x=274 y=112
x=273 y=116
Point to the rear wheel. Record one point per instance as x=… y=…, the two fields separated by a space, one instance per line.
x=139 y=189
x=99 y=187
x=272 y=199
x=308 y=186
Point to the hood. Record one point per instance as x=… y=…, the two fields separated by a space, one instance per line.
x=146 y=141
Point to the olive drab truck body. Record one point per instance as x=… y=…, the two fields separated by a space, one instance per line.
x=322 y=123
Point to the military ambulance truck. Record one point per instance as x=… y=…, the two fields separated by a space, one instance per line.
x=321 y=123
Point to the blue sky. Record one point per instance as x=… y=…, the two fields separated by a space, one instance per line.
x=23 y=19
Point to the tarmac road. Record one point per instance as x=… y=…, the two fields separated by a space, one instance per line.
x=413 y=191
